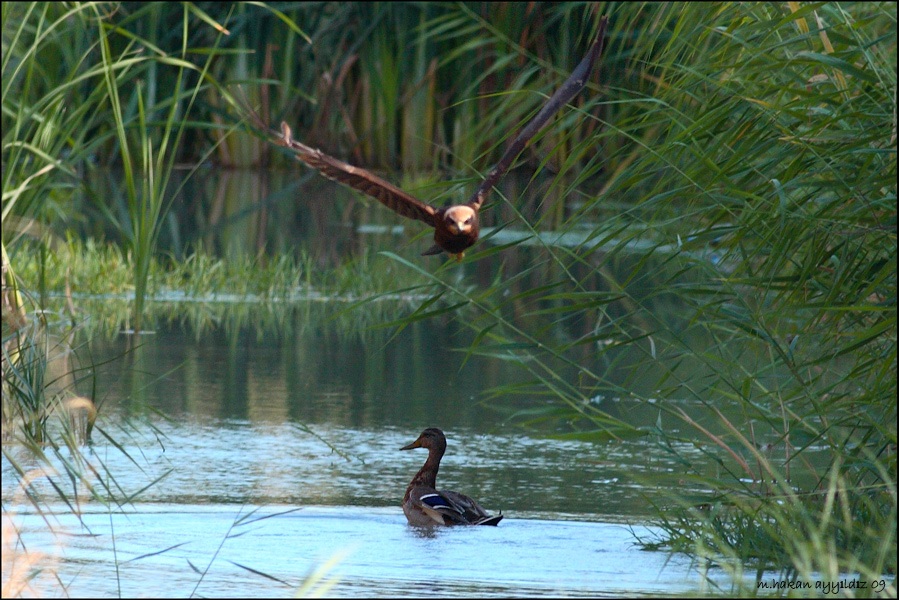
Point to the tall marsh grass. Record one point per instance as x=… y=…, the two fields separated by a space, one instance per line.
x=79 y=88
x=758 y=141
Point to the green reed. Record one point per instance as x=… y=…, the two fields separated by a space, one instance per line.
x=148 y=167
x=203 y=291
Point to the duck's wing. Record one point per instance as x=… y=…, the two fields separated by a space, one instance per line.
x=441 y=509
x=574 y=84
x=445 y=507
x=358 y=179
x=472 y=512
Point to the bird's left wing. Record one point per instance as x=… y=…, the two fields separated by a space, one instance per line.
x=359 y=179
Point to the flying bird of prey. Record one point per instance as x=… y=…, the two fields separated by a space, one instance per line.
x=456 y=227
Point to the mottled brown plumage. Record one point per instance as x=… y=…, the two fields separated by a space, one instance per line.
x=456 y=227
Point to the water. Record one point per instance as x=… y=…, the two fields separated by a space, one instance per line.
x=283 y=490
x=313 y=443
x=214 y=423
x=363 y=552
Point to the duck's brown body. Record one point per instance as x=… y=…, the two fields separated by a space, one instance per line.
x=456 y=227
x=424 y=504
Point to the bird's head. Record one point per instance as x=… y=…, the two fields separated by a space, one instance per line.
x=429 y=438
x=460 y=219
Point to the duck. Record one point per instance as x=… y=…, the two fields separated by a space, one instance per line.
x=425 y=505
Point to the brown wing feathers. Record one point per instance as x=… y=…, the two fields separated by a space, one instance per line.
x=359 y=179
x=574 y=84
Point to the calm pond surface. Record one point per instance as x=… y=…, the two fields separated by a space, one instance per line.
x=320 y=433
x=251 y=456
x=565 y=530
x=375 y=554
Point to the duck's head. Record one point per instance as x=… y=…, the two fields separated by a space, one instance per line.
x=429 y=438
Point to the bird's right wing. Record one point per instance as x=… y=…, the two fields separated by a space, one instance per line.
x=358 y=179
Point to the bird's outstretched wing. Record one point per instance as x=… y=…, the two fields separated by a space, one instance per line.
x=360 y=180
x=574 y=84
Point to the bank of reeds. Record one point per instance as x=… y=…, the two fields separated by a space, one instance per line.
x=760 y=146
x=90 y=284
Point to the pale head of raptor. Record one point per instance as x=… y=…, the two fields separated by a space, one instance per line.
x=460 y=219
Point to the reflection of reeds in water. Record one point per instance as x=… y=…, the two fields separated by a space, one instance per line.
x=204 y=292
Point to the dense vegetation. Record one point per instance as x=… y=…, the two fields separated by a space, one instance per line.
x=747 y=151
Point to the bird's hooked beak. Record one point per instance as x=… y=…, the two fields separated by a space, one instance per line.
x=458 y=228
